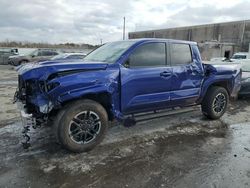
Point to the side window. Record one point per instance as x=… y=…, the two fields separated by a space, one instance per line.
x=75 y=57
x=39 y=53
x=47 y=53
x=148 y=55
x=180 y=54
x=54 y=53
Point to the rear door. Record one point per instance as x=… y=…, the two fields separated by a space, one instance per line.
x=187 y=75
x=145 y=79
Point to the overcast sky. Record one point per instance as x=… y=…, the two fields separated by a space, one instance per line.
x=88 y=21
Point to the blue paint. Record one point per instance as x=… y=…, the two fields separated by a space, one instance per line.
x=131 y=90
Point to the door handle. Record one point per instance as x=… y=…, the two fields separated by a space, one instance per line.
x=165 y=74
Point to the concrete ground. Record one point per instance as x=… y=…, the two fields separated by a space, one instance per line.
x=182 y=150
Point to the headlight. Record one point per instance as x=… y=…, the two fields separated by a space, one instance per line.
x=48 y=87
x=52 y=85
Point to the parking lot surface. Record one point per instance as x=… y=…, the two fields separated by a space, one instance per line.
x=181 y=150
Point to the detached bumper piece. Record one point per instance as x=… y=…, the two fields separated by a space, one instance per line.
x=28 y=121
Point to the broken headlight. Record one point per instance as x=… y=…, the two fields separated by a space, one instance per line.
x=52 y=85
x=48 y=87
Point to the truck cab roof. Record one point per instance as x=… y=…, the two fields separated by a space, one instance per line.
x=164 y=40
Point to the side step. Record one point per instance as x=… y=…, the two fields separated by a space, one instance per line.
x=132 y=119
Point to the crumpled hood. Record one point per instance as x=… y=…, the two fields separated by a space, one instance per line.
x=43 y=70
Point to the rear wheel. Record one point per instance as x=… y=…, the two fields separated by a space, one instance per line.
x=82 y=125
x=215 y=102
x=16 y=63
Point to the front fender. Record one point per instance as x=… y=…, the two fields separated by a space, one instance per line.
x=78 y=93
x=78 y=85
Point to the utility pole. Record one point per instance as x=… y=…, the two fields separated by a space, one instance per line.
x=124 y=21
x=101 y=41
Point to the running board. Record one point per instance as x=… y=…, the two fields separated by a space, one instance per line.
x=132 y=119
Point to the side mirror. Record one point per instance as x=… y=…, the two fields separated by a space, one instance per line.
x=32 y=55
x=127 y=63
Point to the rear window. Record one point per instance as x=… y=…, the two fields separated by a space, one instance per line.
x=47 y=53
x=180 y=54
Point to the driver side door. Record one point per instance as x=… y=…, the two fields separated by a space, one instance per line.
x=146 y=79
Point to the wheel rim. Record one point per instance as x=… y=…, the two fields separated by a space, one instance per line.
x=219 y=103
x=84 y=127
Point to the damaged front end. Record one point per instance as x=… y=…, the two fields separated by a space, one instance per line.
x=34 y=106
x=43 y=89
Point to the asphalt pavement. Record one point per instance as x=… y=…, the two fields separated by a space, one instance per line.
x=181 y=150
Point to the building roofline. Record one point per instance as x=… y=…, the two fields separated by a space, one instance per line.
x=193 y=26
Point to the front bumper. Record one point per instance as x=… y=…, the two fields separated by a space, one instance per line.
x=27 y=119
x=235 y=91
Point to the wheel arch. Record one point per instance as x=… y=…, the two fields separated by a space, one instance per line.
x=23 y=60
x=219 y=83
x=103 y=98
x=224 y=83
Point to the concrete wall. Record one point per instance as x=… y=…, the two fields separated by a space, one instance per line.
x=246 y=38
x=232 y=36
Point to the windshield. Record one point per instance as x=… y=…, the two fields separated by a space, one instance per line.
x=109 y=52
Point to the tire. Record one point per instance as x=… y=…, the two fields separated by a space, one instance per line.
x=56 y=123
x=215 y=102
x=16 y=63
x=81 y=125
x=11 y=63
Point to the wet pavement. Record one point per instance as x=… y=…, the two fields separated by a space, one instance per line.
x=182 y=150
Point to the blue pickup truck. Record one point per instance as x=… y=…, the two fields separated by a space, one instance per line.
x=117 y=81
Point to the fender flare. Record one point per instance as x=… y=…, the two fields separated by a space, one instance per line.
x=226 y=83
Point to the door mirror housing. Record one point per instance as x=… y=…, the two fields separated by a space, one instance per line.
x=127 y=63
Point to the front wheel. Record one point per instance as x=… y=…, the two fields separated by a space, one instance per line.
x=82 y=125
x=215 y=102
